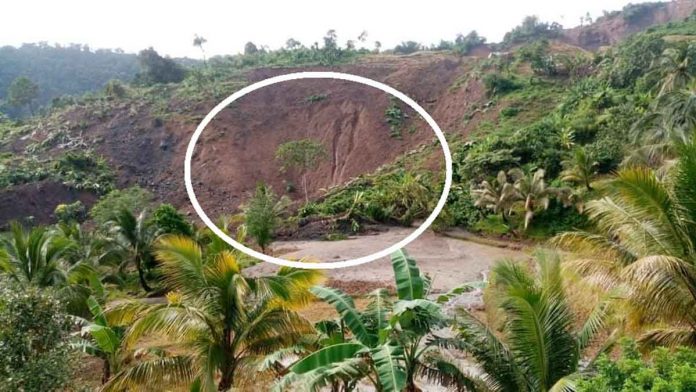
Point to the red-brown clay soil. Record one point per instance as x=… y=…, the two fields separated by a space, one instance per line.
x=237 y=149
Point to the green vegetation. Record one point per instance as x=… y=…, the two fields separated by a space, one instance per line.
x=22 y=92
x=262 y=215
x=539 y=349
x=395 y=118
x=385 y=346
x=34 y=354
x=302 y=156
x=667 y=370
x=61 y=70
x=596 y=153
x=225 y=320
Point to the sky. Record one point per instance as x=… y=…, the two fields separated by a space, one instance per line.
x=170 y=26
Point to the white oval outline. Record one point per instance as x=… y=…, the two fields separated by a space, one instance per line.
x=319 y=75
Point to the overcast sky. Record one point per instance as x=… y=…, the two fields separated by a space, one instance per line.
x=169 y=26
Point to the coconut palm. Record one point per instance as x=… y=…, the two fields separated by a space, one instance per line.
x=135 y=235
x=670 y=122
x=498 y=195
x=538 y=348
x=672 y=68
x=387 y=344
x=580 y=168
x=644 y=244
x=34 y=257
x=44 y=258
x=223 y=321
x=532 y=190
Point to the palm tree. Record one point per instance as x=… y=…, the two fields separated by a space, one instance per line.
x=407 y=194
x=672 y=68
x=671 y=121
x=538 y=348
x=580 y=168
x=388 y=342
x=35 y=257
x=136 y=235
x=224 y=321
x=498 y=195
x=532 y=190
x=102 y=340
x=644 y=245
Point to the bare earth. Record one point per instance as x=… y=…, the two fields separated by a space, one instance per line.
x=449 y=261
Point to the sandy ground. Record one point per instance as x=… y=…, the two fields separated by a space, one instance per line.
x=449 y=261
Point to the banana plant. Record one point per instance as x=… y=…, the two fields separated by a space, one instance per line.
x=387 y=342
x=100 y=339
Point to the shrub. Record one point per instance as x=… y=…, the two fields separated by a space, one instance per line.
x=510 y=111
x=666 y=371
x=73 y=212
x=408 y=47
x=261 y=216
x=115 y=89
x=158 y=69
x=83 y=170
x=34 y=351
x=497 y=84
x=395 y=118
x=169 y=221
x=134 y=199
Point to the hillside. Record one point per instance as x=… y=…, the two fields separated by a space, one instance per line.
x=59 y=71
x=504 y=105
x=613 y=27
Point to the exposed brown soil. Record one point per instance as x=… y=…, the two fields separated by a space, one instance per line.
x=38 y=200
x=146 y=142
x=610 y=30
x=237 y=150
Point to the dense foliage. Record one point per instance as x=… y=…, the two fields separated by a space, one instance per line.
x=665 y=371
x=34 y=353
x=58 y=70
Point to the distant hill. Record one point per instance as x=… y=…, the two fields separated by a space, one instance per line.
x=63 y=70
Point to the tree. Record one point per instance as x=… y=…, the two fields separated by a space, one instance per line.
x=136 y=235
x=538 y=348
x=408 y=47
x=531 y=189
x=109 y=205
x=157 y=69
x=102 y=340
x=387 y=343
x=292 y=44
x=643 y=245
x=498 y=195
x=34 y=258
x=168 y=220
x=301 y=155
x=672 y=69
x=580 y=168
x=199 y=41
x=261 y=215
x=670 y=121
x=224 y=321
x=34 y=354
x=23 y=92
x=250 y=48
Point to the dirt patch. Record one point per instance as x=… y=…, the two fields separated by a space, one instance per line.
x=449 y=262
x=612 y=29
x=38 y=200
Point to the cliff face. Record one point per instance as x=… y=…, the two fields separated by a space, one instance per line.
x=610 y=29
